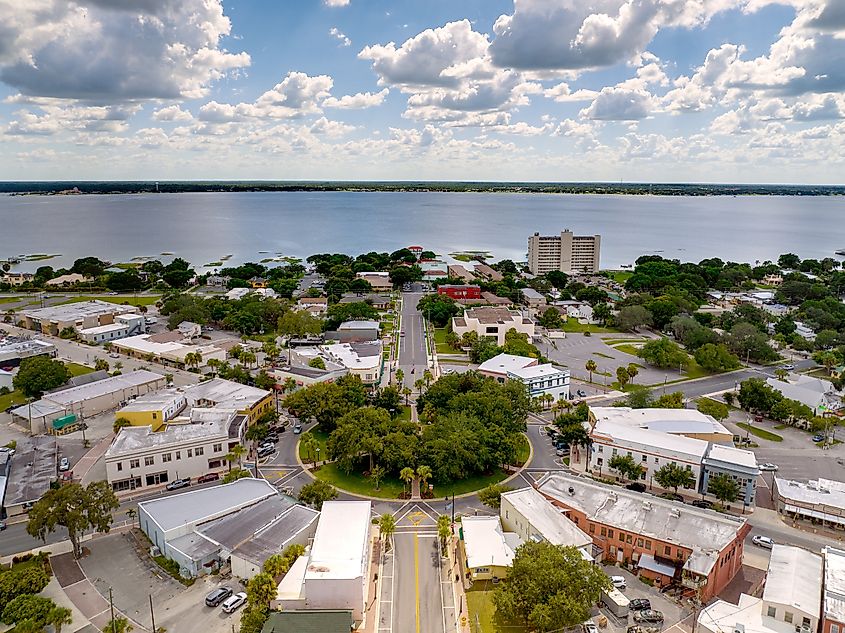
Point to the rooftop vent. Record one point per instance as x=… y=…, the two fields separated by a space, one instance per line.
x=675 y=512
x=647 y=505
x=571 y=490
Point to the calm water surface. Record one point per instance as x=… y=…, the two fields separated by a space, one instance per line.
x=203 y=227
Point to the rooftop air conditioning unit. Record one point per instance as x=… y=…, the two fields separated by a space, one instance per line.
x=571 y=490
x=155 y=551
x=647 y=505
x=739 y=628
x=675 y=512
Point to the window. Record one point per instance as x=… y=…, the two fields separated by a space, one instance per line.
x=805 y=622
x=156 y=478
x=604 y=531
x=645 y=458
x=199 y=451
x=155 y=415
x=592 y=528
x=787 y=617
x=166 y=457
x=599 y=461
x=614 y=451
x=771 y=612
x=629 y=539
x=656 y=460
x=178 y=454
x=601 y=448
x=190 y=453
x=667 y=550
x=218 y=448
x=639 y=542
x=610 y=534
x=134 y=463
x=834 y=628
x=149 y=461
x=119 y=466
x=621 y=537
x=648 y=545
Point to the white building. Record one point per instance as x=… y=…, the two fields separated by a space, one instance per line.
x=140 y=457
x=364 y=360
x=493 y=323
x=833 y=599
x=76 y=316
x=501 y=365
x=124 y=325
x=167 y=351
x=816 y=393
x=230 y=396
x=538 y=379
x=335 y=573
x=243 y=522
x=239 y=293
x=566 y=252
x=14 y=349
x=791 y=601
x=821 y=499
x=153 y=409
x=686 y=422
x=488 y=550
x=532 y=517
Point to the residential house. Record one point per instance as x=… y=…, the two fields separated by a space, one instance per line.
x=315 y=306
x=379 y=281
x=816 y=393
x=456 y=271
x=378 y=301
x=189 y=330
x=486 y=549
x=486 y=272
x=14 y=278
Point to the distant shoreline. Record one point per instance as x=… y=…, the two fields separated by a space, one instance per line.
x=658 y=189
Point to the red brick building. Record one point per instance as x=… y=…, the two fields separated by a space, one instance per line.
x=666 y=541
x=460 y=292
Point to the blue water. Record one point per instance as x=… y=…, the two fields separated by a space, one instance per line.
x=203 y=227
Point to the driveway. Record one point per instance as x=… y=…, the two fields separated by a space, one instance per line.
x=636 y=588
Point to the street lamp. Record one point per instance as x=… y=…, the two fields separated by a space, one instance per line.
x=318 y=454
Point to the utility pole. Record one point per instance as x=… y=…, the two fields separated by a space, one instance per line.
x=152 y=614
x=111 y=609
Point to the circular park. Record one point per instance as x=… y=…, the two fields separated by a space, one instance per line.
x=465 y=433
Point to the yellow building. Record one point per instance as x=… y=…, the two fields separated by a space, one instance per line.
x=225 y=394
x=487 y=550
x=154 y=409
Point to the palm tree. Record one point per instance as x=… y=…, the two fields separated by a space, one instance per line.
x=591 y=367
x=781 y=374
x=377 y=473
x=424 y=474
x=276 y=565
x=247 y=359
x=309 y=444
x=427 y=377
x=632 y=371
x=444 y=531
x=270 y=351
x=238 y=451
x=418 y=385
x=387 y=526
x=406 y=391
x=231 y=458
x=59 y=616
x=132 y=513
x=407 y=476
x=400 y=375
x=214 y=364
x=289 y=385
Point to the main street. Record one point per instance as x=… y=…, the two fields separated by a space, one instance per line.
x=417 y=592
x=412 y=351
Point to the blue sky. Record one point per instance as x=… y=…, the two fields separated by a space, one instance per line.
x=551 y=90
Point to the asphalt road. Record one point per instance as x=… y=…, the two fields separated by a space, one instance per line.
x=417 y=600
x=412 y=356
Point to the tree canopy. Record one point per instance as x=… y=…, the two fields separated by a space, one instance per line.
x=39 y=374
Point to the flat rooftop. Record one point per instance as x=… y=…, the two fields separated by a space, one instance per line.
x=487 y=314
x=76 y=311
x=135 y=439
x=33 y=468
x=504 y=363
x=340 y=544
x=358 y=325
x=822 y=492
x=732 y=455
x=834 y=583
x=274 y=537
x=704 y=531
x=538 y=371
x=549 y=521
x=674 y=421
x=486 y=543
x=13 y=345
x=103 y=387
x=794 y=579
x=648 y=439
x=225 y=393
x=198 y=506
x=104 y=329
x=154 y=400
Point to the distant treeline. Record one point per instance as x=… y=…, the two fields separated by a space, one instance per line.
x=71 y=188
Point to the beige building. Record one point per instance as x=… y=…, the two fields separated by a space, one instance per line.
x=68 y=280
x=492 y=322
x=566 y=252
x=76 y=316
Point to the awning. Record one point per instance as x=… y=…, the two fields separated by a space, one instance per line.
x=815 y=514
x=647 y=562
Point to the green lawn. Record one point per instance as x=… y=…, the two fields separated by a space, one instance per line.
x=694 y=370
x=602 y=355
x=627 y=348
x=482 y=613
x=13 y=299
x=321 y=438
x=440 y=342
x=572 y=325
x=470 y=484
x=619 y=276
x=143 y=300
x=524 y=450
x=405 y=413
x=14 y=398
x=76 y=369
x=356 y=482
x=761 y=433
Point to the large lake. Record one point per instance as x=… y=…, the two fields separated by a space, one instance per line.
x=203 y=227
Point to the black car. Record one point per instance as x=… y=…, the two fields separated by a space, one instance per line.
x=176 y=484
x=673 y=496
x=217 y=596
x=638 y=604
x=702 y=503
x=636 y=486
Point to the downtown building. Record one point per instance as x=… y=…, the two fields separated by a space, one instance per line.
x=566 y=252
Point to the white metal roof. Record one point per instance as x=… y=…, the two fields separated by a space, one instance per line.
x=504 y=363
x=341 y=542
x=834 y=583
x=539 y=371
x=225 y=393
x=674 y=421
x=358 y=325
x=154 y=400
x=485 y=542
x=77 y=310
x=352 y=356
x=732 y=455
x=197 y=506
x=104 y=329
x=99 y=388
x=821 y=492
x=549 y=521
x=794 y=579
x=646 y=439
x=724 y=617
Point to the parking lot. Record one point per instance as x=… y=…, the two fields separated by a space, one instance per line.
x=114 y=563
x=635 y=588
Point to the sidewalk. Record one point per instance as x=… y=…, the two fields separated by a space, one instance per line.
x=86 y=463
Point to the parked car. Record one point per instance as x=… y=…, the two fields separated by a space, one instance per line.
x=272 y=437
x=208 y=477
x=64 y=464
x=619 y=582
x=788 y=367
x=818 y=437
x=297 y=429
x=648 y=615
x=217 y=596
x=234 y=603
x=762 y=541
x=590 y=627
x=672 y=496
x=266 y=450
x=636 y=486
x=768 y=466
x=581 y=393
x=702 y=503
x=639 y=604
x=176 y=484
x=5 y=449
x=2 y=525
x=551 y=431
x=114 y=355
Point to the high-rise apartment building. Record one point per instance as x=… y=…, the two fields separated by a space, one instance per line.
x=566 y=252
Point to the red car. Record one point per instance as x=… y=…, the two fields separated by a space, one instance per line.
x=208 y=477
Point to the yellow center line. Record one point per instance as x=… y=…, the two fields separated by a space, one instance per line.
x=417 y=577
